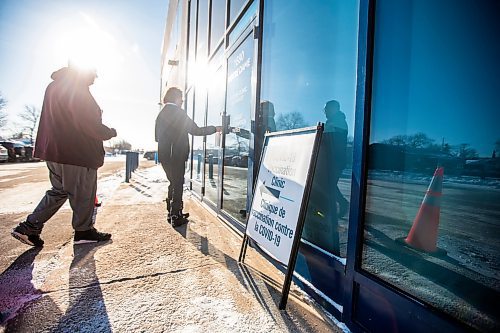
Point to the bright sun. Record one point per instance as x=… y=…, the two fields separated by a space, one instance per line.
x=87 y=46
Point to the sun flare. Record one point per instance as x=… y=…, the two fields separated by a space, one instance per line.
x=87 y=46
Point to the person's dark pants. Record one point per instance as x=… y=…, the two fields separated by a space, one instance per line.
x=76 y=183
x=175 y=176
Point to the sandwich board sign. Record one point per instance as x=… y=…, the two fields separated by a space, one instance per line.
x=281 y=193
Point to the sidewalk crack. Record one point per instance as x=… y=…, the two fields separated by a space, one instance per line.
x=125 y=279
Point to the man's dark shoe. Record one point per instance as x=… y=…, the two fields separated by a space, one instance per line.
x=169 y=216
x=178 y=220
x=90 y=236
x=32 y=240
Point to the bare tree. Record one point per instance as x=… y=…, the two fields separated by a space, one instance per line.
x=3 y=113
x=121 y=145
x=290 y=120
x=419 y=140
x=30 y=115
x=465 y=152
x=397 y=140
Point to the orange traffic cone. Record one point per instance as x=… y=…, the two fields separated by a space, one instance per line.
x=96 y=202
x=423 y=233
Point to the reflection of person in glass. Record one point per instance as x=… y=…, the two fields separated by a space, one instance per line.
x=322 y=227
x=267 y=109
x=336 y=131
x=268 y=124
x=171 y=133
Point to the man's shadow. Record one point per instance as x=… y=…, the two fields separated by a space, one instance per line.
x=86 y=311
x=17 y=292
x=248 y=278
x=15 y=285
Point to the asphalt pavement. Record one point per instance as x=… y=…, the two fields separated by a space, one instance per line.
x=150 y=277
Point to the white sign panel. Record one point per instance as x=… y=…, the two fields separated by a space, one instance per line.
x=278 y=193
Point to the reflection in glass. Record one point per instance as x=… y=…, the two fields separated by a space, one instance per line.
x=301 y=72
x=327 y=204
x=190 y=113
x=192 y=42
x=217 y=27
x=235 y=7
x=243 y=23
x=237 y=139
x=432 y=215
x=214 y=116
x=201 y=44
x=198 y=141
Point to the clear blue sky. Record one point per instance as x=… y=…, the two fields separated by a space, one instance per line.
x=37 y=37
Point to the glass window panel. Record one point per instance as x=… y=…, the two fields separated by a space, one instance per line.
x=192 y=42
x=237 y=141
x=303 y=70
x=235 y=7
x=202 y=46
x=432 y=216
x=217 y=27
x=198 y=141
x=216 y=95
x=243 y=23
x=190 y=113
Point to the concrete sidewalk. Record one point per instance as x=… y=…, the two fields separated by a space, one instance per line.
x=150 y=278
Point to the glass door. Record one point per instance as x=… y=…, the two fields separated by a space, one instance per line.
x=215 y=111
x=198 y=143
x=237 y=141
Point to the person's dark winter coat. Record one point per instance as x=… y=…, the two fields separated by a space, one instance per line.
x=71 y=129
x=171 y=132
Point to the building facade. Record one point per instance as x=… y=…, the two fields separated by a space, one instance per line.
x=403 y=221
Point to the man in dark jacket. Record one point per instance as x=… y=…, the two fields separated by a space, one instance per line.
x=69 y=139
x=171 y=132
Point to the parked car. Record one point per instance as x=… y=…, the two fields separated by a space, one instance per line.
x=4 y=154
x=150 y=155
x=16 y=150
x=240 y=161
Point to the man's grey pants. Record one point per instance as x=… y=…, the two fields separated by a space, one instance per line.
x=78 y=184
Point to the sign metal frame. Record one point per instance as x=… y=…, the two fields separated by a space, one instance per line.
x=303 y=205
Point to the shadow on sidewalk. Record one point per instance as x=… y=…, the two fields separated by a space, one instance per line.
x=17 y=292
x=86 y=310
x=248 y=278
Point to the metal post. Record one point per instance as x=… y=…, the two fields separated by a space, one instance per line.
x=210 y=166
x=198 y=167
x=127 y=167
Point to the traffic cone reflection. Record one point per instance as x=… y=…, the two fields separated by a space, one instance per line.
x=423 y=233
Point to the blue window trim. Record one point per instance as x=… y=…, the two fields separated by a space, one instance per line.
x=361 y=135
